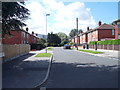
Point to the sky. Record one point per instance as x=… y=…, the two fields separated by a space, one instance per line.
x=63 y=15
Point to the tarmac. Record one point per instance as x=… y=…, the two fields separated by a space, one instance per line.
x=29 y=71
x=26 y=71
x=107 y=53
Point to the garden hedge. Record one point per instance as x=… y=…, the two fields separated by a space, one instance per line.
x=106 y=42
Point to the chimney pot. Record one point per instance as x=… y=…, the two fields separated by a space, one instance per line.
x=88 y=29
x=27 y=29
x=32 y=32
x=99 y=23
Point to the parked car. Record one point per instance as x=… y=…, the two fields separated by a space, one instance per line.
x=67 y=46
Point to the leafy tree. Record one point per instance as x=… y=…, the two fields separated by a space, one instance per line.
x=13 y=16
x=73 y=32
x=63 y=37
x=53 y=39
x=41 y=41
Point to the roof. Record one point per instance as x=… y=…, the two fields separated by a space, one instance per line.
x=117 y=21
x=103 y=26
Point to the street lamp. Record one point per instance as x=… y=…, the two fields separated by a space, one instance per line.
x=46 y=30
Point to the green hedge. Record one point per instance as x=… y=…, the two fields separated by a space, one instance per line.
x=106 y=42
x=92 y=42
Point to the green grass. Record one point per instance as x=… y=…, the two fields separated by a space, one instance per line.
x=73 y=49
x=89 y=51
x=43 y=55
x=50 y=48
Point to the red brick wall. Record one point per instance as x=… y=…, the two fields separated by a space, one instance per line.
x=15 y=39
x=19 y=37
x=105 y=34
x=93 y=36
x=117 y=31
x=73 y=40
x=78 y=40
x=85 y=39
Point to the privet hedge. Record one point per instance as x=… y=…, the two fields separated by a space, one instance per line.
x=106 y=42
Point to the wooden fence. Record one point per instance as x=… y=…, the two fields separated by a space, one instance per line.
x=13 y=51
x=107 y=47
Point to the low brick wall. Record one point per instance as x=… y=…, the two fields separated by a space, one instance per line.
x=13 y=51
x=107 y=47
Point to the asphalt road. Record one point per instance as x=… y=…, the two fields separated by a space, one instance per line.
x=73 y=69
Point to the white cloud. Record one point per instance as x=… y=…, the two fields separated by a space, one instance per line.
x=62 y=18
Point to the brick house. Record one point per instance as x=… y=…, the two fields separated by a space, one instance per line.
x=20 y=37
x=83 y=37
x=73 y=40
x=117 y=29
x=102 y=32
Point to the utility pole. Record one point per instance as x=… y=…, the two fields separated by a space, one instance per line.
x=77 y=30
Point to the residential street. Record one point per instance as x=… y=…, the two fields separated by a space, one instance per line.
x=73 y=69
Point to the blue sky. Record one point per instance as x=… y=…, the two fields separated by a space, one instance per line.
x=63 y=15
x=104 y=11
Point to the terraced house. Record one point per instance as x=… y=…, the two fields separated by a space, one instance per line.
x=117 y=29
x=101 y=32
x=20 y=37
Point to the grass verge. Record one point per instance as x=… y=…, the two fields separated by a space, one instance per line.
x=50 y=48
x=90 y=51
x=43 y=55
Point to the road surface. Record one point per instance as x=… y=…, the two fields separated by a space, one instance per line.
x=73 y=69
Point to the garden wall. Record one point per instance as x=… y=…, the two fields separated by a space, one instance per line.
x=107 y=47
x=13 y=51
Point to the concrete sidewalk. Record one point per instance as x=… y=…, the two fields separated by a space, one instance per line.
x=107 y=53
x=26 y=71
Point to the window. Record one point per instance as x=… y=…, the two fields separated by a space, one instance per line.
x=113 y=32
x=118 y=25
x=118 y=36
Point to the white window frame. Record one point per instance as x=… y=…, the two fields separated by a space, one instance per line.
x=118 y=36
x=113 y=32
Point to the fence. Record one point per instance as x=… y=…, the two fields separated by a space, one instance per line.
x=13 y=51
x=107 y=47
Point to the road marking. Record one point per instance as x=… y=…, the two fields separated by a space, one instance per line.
x=43 y=88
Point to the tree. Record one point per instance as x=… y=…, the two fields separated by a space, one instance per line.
x=53 y=39
x=13 y=16
x=73 y=32
x=63 y=37
x=41 y=41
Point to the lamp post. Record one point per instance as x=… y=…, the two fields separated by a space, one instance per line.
x=46 y=30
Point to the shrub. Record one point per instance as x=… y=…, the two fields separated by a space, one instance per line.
x=109 y=42
x=106 y=42
x=92 y=42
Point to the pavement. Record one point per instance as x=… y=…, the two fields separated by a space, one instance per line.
x=26 y=71
x=107 y=53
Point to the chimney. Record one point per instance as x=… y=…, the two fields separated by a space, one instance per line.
x=27 y=29
x=36 y=34
x=88 y=29
x=32 y=32
x=99 y=23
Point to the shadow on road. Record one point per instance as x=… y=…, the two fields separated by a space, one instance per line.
x=82 y=75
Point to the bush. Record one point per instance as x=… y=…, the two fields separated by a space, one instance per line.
x=109 y=42
x=106 y=42
x=92 y=42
